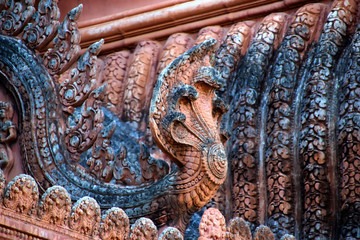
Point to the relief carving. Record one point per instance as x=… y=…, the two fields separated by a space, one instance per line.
x=42 y=30
x=7 y=136
x=15 y=16
x=114 y=74
x=66 y=44
x=140 y=82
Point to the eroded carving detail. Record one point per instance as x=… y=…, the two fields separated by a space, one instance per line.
x=212 y=225
x=66 y=44
x=205 y=33
x=143 y=229
x=55 y=206
x=171 y=233
x=85 y=216
x=44 y=26
x=263 y=233
x=238 y=229
x=114 y=225
x=22 y=195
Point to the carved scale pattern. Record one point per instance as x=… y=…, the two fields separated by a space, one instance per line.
x=115 y=70
x=243 y=144
x=279 y=154
x=140 y=81
x=315 y=153
x=349 y=140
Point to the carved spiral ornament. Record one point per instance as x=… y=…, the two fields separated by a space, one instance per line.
x=216 y=163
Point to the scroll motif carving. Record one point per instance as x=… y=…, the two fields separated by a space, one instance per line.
x=82 y=134
x=15 y=16
x=115 y=71
x=244 y=143
x=74 y=91
x=66 y=44
x=7 y=136
x=315 y=152
x=44 y=26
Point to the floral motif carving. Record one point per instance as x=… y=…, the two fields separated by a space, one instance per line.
x=15 y=16
x=55 y=206
x=22 y=195
x=85 y=216
x=44 y=25
x=143 y=229
x=66 y=47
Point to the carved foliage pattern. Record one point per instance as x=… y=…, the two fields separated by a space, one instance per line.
x=171 y=233
x=66 y=44
x=44 y=26
x=238 y=229
x=15 y=16
x=74 y=91
x=243 y=151
x=279 y=154
x=314 y=147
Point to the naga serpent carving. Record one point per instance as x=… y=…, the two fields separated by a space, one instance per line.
x=293 y=93
x=184 y=117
